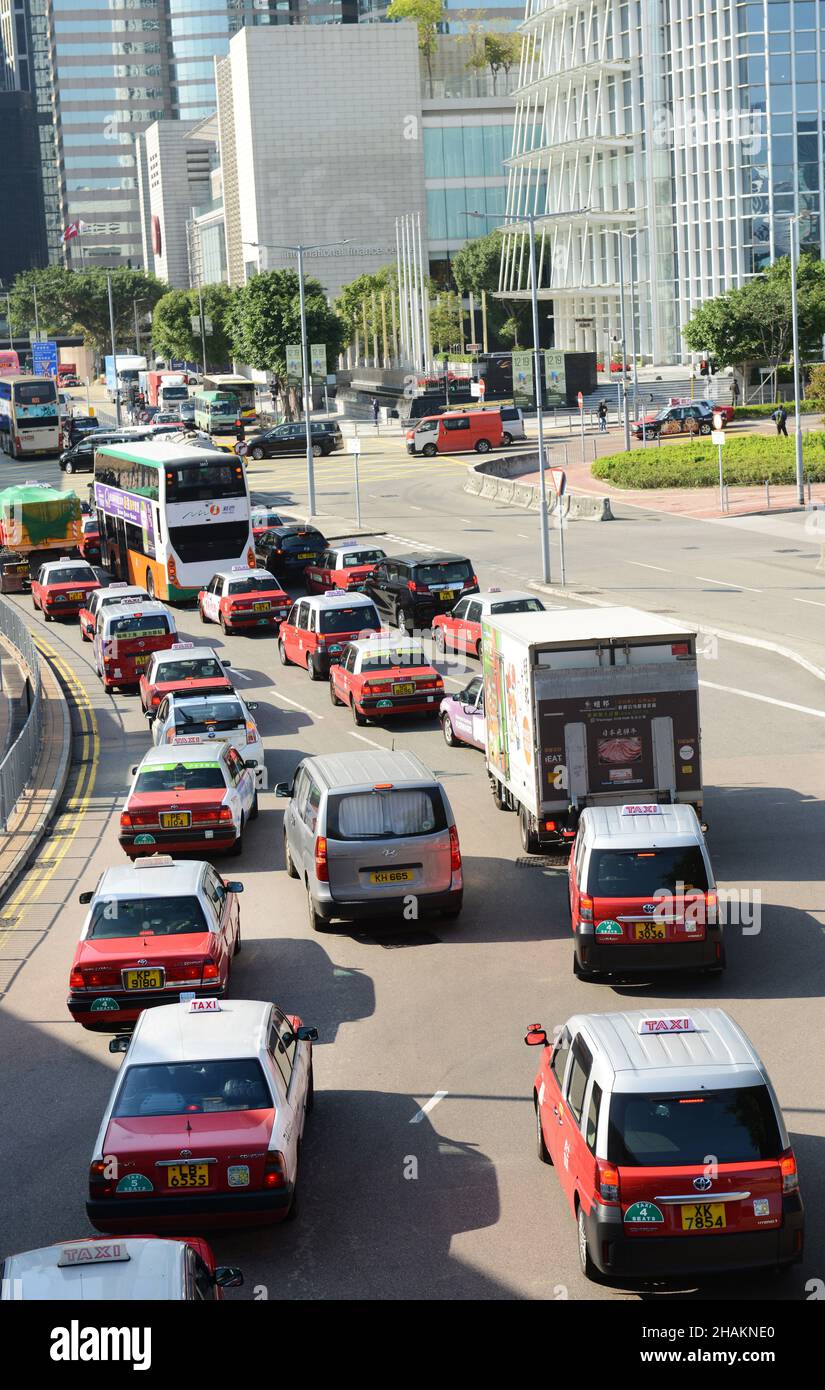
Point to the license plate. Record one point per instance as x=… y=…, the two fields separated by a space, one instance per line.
x=143 y=979
x=141 y=660
x=392 y=876
x=18 y=569
x=407 y=688
x=704 y=1216
x=261 y=607
x=76 y=595
x=445 y=593
x=188 y=1175
x=305 y=555
x=649 y=931
x=175 y=820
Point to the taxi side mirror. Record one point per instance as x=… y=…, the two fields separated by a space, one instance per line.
x=233 y=886
x=134 y=769
x=252 y=704
x=85 y=898
x=228 y=1277
x=307 y=1034
x=227 y=664
x=250 y=762
x=283 y=789
x=148 y=714
x=119 y=1044
x=535 y=1036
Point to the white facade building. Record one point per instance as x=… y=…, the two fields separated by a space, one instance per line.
x=693 y=128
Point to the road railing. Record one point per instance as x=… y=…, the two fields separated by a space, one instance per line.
x=18 y=765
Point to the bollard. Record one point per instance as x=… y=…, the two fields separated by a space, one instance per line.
x=767 y=493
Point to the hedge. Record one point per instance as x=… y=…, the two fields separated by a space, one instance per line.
x=760 y=412
x=748 y=460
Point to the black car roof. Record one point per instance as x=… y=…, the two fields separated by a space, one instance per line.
x=414 y=558
x=281 y=531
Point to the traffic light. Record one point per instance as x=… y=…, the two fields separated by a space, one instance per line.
x=704 y=367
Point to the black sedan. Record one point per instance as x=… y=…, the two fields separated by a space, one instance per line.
x=287 y=550
x=675 y=419
x=292 y=439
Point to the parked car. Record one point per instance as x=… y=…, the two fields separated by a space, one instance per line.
x=456 y=432
x=410 y=589
x=291 y=439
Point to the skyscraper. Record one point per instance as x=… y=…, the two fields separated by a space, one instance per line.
x=27 y=150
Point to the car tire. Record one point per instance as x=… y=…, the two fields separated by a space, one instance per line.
x=478 y=650
x=257 y=453
x=586 y=1265
x=236 y=849
x=529 y=839
x=317 y=451
x=704 y=428
x=507 y=439
x=542 y=1150
x=68 y=466
x=360 y=719
x=254 y=808
x=332 y=695
x=238 y=947
x=403 y=619
x=284 y=659
x=316 y=921
x=440 y=642
x=309 y=1099
x=289 y=865
x=150 y=583
x=482 y=446
x=222 y=622
x=312 y=670
x=203 y=616
x=84 y=636
x=429 y=451
x=448 y=731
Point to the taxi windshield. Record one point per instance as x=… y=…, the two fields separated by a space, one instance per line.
x=191 y=1088
x=197 y=777
x=407 y=656
x=362 y=557
x=82 y=574
x=360 y=618
x=255 y=584
x=139 y=625
x=633 y=873
x=114 y=917
x=200 y=668
x=206 y=714
x=736 y=1126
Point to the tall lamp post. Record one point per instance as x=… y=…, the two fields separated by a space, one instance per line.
x=531 y=218
x=114 y=354
x=300 y=251
x=794 y=221
x=135 y=302
x=621 y=235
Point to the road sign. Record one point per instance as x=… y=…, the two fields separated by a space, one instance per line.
x=318 y=359
x=717 y=436
x=580 y=399
x=44 y=359
x=195 y=323
x=473 y=347
x=559 y=478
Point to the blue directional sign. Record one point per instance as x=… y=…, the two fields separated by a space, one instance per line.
x=44 y=359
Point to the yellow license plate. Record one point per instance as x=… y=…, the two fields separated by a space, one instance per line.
x=445 y=593
x=77 y=595
x=143 y=979
x=141 y=660
x=175 y=820
x=406 y=688
x=649 y=931
x=188 y=1175
x=261 y=607
x=704 y=1216
x=392 y=876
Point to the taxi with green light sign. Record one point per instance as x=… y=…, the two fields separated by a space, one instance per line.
x=126 y=637
x=154 y=929
x=669 y=1144
x=62 y=587
x=189 y=795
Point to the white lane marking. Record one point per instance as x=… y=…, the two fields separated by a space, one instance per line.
x=303 y=708
x=522 y=536
x=726 y=583
x=416 y=545
x=239 y=675
x=371 y=741
x=640 y=565
x=425 y=1109
x=414 y=509
x=765 y=699
x=812 y=601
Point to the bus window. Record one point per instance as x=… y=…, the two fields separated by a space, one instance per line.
x=204 y=479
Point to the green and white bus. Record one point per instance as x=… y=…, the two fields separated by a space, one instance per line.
x=216 y=412
x=170 y=515
x=238 y=386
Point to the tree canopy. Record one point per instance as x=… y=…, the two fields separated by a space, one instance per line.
x=428 y=16
x=172 y=334
x=264 y=316
x=754 y=323
x=77 y=301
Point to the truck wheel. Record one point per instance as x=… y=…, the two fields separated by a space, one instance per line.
x=529 y=839
x=498 y=800
x=150 y=583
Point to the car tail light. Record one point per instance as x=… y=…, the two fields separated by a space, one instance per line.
x=100 y=977
x=378 y=687
x=790 y=1176
x=76 y=980
x=251 y=732
x=204 y=815
x=155 y=699
x=415 y=588
x=193 y=970
x=172 y=569
x=210 y=969
x=455 y=851
x=100 y=1185
x=138 y=817
x=225 y=813
x=550 y=825
x=250 y=558
x=608 y=1181
x=471 y=583
x=321 y=862
x=125 y=818
x=585 y=909
x=711 y=904
x=275 y=1170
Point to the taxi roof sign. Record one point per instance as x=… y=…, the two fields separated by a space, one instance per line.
x=108 y=1252
x=667 y=1023
x=181 y=646
x=203 y=1006
x=642 y=809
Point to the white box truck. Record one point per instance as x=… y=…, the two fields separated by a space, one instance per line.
x=587 y=707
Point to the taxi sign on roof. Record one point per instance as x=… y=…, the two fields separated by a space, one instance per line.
x=242 y=568
x=642 y=810
x=181 y=646
x=93 y=1254
x=119 y=584
x=668 y=1023
x=203 y=1006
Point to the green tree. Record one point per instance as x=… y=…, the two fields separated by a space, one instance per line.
x=77 y=301
x=428 y=16
x=475 y=268
x=355 y=301
x=172 y=334
x=445 y=321
x=496 y=52
x=264 y=316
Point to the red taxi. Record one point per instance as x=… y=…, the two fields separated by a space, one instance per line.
x=316 y=630
x=460 y=629
x=243 y=598
x=89 y=543
x=126 y=636
x=348 y=566
x=192 y=794
x=61 y=587
x=385 y=675
x=103 y=598
x=204 y=1124
x=668 y=1142
x=153 y=928
x=184 y=667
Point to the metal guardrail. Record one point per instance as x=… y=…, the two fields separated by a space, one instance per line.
x=19 y=763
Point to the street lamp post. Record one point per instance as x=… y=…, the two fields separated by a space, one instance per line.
x=300 y=251
x=621 y=235
x=531 y=218
x=114 y=354
x=8 y=316
x=797 y=382
x=135 y=302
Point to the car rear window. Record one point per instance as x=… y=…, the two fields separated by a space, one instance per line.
x=253 y=585
x=309 y=541
x=192 y=1088
x=362 y=617
x=141 y=625
x=444 y=572
x=736 y=1126
x=362 y=557
x=205 y=715
x=266 y=519
x=201 y=669
x=633 y=873
x=200 y=777
x=388 y=657
x=386 y=815
x=518 y=605
x=83 y=574
x=114 y=917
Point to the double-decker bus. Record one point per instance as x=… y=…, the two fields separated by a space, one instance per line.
x=29 y=415
x=216 y=412
x=171 y=515
x=239 y=387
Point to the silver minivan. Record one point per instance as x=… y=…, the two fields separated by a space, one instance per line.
x=512 y=423
x=371 y=834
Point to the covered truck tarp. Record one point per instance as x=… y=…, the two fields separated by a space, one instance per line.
x=34 y=517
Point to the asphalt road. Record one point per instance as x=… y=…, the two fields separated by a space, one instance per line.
x=406 y=1014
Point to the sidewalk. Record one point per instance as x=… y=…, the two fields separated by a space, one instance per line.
x=36 y=807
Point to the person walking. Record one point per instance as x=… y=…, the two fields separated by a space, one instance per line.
x=602 y=414
x=734 y=391
x=375 y=409
x=780 y=415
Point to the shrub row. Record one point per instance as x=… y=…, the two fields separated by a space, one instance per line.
x=747 y=461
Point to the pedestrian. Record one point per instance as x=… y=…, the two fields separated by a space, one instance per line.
x=375 y=409
x=780 y=415
x=602 y=414
x=734 y=390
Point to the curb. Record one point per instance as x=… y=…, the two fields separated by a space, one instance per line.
x=34 y=836
x=497 y=480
